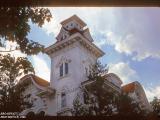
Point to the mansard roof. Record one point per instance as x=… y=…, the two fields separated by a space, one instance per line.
x=129 y=87
x=136 y=87
x=67 y=37
x=76 y=18
x=37 y=80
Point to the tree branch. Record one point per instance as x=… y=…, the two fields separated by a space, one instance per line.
x=8 y=50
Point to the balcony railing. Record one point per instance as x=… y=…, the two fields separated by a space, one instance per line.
x=106 y=82
x=112 y=85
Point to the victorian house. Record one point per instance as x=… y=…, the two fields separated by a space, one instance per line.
x=71 y=55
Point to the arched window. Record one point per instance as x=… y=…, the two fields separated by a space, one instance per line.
x=63 y=66
x=63 y=100
x=41 y=114
x=30 y=115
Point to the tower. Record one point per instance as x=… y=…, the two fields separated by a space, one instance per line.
x=71 y=55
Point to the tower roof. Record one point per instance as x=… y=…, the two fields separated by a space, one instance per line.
x=74 y=33
x=76 y=18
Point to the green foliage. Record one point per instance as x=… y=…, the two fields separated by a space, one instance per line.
x=102 y=100
x=156 y=106
x=128 y=107
x=79 y=108
x=96 y=70
x=15 y=26
x=11 y=98
x=97 y=100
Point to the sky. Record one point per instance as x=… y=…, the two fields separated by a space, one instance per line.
x=130 y=37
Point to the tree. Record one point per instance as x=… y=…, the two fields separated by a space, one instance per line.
x=97 y=100
x=11 y=97
x=15 y=26
x=79 y=109
x=103 y=100
x=156 y=106
x=128 y=107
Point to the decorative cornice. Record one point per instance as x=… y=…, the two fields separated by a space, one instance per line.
x=75 y=37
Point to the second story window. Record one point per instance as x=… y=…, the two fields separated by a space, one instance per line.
x=61 y=70
x=66 y=68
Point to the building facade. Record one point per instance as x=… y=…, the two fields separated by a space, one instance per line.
x=71 y=56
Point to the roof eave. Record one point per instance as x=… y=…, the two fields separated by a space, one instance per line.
x=71 y=39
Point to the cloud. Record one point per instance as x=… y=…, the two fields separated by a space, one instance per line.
x=41 y=68
x=91 y=18
x=124 y=71
x=100 y=43
x=11 y=46
x=127 y=74
x=136 y=32
x=132 y=31
x=152 y=92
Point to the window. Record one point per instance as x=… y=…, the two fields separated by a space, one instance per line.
x=64 y=36
x=85 y=98
x=87 y=71
x=63 y=100
x=61 y=70
x=66 y=68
